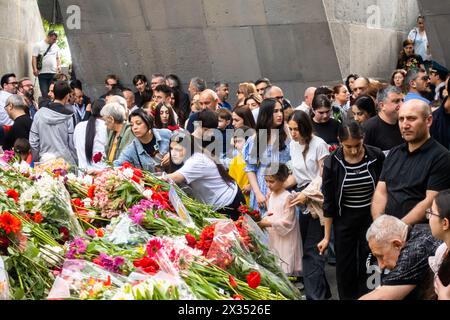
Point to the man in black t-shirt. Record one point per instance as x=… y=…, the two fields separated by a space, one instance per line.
x=404 y=252
x=16 y=108
x=414 y=172
x=382 y=131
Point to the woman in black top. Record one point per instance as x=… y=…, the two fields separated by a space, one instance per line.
x=350 y=176
x=408 y=59
x=324 y=126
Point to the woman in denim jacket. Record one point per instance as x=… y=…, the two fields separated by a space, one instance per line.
x=149 y=149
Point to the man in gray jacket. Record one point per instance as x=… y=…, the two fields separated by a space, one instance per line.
x=52 y=129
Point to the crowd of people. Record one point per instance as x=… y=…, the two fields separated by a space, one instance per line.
x=353 y=173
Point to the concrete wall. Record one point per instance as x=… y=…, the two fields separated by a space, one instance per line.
x=21 y=28
x=295 y=43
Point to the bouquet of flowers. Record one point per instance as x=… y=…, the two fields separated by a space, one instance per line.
x=253 y=213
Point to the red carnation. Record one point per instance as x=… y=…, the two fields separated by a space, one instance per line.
x=38 y=217
x=173 y=128
x=65 y=234
x=126 y=165
x=136 y=179
x=137 y=172
x=147 y=264
x=238 y=297
x=190 y=240
x=4 y=242
x=97 y=157
x=254 y=279
x=233 y=282
x=91 y=191
x=13 y=194
x=332 y=148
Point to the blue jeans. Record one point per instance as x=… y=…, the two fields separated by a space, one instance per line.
x=45 y=79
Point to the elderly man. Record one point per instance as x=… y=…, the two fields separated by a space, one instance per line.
x=307 y=103
x=414 y=172
x=196 y=85
x=16 y=108
x=208 y=100
x=404 y=251
x=360 y=85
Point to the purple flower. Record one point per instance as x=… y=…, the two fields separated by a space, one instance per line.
x=137 y=217
x=91 y=233
x=137 y=212
x=77 y=248
x=110 y=263
x=8 y=156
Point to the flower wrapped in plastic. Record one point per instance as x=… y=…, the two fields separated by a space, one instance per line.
x=83 y=280
x=4 y=283
x=122 y=231
x=49 y=197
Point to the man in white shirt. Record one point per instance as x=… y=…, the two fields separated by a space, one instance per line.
x=9 y=85
x=48 y=51
x=307 y=103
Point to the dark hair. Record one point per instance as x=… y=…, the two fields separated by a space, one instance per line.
x=61 y=89
x=320 y=101
x=366 y=103
x=6 y=77
x=148 y=120
x=347 y=81
x=177 y=81
x=324 y=90
x=158 y=122
x=97 y=106
x=443 y=203
x=225 y=114
x=402 y=72
x=281 y=175
x=51 y=33
x=246 y=114
x=115 y=91
x=218 y=84
x=265 y=122
x=420 y=17
x=76 y=84
x=164 y=88
x=337 y=88
x=139 y=77
x=351 y=129
x=208 y=119
x=305 y=128
x=113 y=77
x=22 y=146
x=263 y=80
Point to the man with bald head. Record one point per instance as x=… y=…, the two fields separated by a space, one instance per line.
x=414 y=172
x=208 y=100
x=307 y=103
x=274 y=92
x=360 y=85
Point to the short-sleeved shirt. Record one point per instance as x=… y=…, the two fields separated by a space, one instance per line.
x=207 y=185
x=412 y=264
x=408 y=175
x=381 y=134
x=328 y=131
x=49 y=64
x=306 y=169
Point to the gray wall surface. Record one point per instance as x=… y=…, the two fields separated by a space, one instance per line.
x=295 y=43
x=21 y=28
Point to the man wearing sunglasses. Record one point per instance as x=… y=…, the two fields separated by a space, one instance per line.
x=418 y=85
x=9 y=85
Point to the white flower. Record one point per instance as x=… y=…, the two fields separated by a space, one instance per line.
x=148 y=193
x=71 y=177
x=87 y=180
x=16 y=165
x=87 y=202
x=128 y=173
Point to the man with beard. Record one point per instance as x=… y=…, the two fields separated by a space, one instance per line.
x=418 y=85
x=26 y=90
x=223 y=91
x=414 y=172
x=9 y=85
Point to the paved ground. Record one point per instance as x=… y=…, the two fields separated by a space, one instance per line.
x=331 y=277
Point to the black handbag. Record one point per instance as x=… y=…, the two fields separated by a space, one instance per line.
x=40 y=58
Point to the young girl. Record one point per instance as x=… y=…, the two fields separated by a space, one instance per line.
x=282 y=223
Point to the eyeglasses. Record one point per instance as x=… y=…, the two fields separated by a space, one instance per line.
x=279 y=97
x=429 y=213
x=14 y=82
x=425 y=78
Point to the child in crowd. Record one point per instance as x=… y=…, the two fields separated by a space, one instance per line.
x=23 y=149
x=237 y=164
x=225 y=119
x=282 y=223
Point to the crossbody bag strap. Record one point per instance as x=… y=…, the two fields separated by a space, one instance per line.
x=48 y=49
x=137 y=153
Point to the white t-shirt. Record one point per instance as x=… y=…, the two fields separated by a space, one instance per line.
x=305 y=173
x=5 y=120
x=207 y=185
x=100 y=141
x=49 y=64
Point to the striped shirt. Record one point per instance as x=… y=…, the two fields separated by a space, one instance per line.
x=358 y=186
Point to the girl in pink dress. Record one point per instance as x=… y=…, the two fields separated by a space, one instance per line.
x=282 y=223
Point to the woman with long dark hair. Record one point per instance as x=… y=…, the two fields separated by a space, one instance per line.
x=181 y=104
x=90 y=138
x=350 y=175
x=363 y=109
x=266 y=149
x=407 y=58
x=164 y=117
x=308 y=152
x=202 y=171
x=242 y=116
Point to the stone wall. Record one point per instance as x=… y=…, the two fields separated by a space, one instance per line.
x=295 y=43
x=21 y=28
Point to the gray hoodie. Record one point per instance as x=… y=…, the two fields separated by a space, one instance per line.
x=52 y=132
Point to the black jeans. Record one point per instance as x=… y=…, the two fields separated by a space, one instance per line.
x=45 y=79
x=231 y=210
x=314 y=278
x=352 y=251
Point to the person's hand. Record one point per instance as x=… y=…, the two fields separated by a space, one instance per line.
x=89 y=108
x=322 y=246
x=36 y=73
x=264 y=223
x=300 y=199
x=247 y=189
x=261 y=200
x=442 y=292
x=165 y=160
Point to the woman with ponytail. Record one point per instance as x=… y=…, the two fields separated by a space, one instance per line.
x=90 y=138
